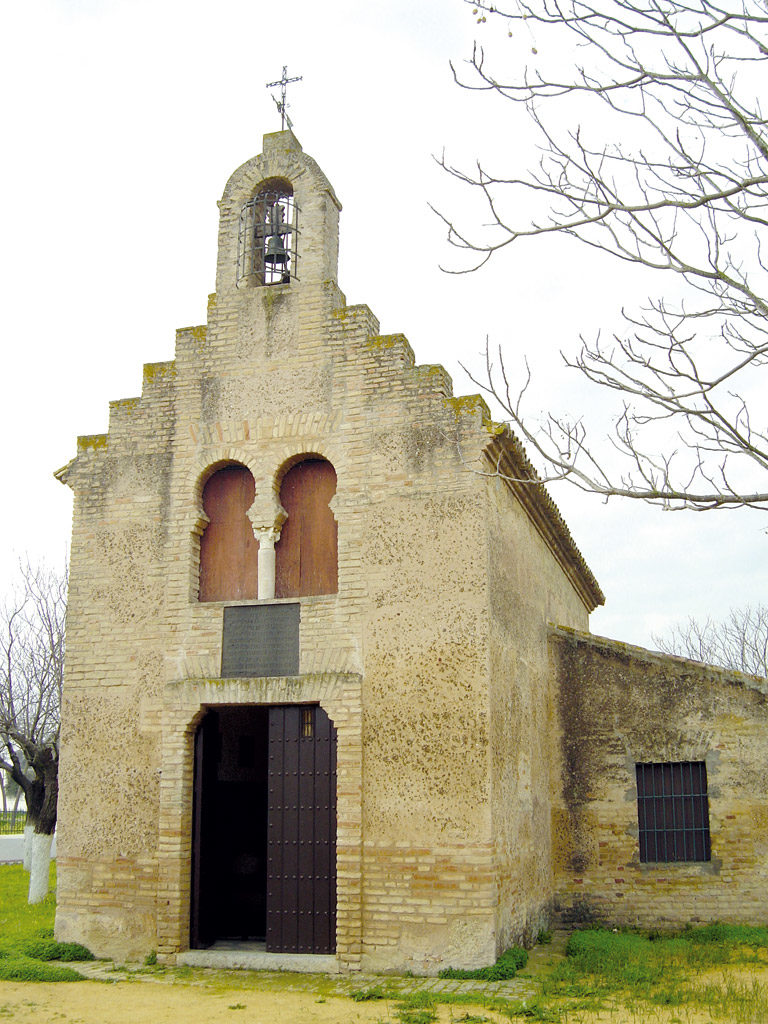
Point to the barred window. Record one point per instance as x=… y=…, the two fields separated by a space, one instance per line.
x=673 y=812
x=307 y=723
x=267 y=246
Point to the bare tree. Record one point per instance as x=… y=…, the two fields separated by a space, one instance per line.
x=740 y=641
x=655 y=151
x=32 y=653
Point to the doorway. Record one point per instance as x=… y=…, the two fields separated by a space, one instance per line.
x=264 y=829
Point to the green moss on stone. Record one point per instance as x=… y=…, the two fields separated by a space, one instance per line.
x=272 y=297
x=472 y=405
x=383 y=341
x=160 y=371
x=91 y=442
x=464 y=405
x=198 y=333
x=125 y=404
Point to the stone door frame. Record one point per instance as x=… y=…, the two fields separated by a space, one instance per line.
x=185 y=702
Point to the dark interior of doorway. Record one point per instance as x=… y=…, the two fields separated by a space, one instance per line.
x=231 y=825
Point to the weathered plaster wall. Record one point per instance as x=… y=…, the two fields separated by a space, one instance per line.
x=527 y=589
x=428 y=873
x=110 y=761
x=620 y=705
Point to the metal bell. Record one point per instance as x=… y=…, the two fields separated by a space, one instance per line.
x=276 y=251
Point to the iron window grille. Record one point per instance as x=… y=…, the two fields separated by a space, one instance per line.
x=307 y=723
x=267 y=241
x=673 y=812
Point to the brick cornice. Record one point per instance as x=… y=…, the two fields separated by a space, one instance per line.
x=509 y=462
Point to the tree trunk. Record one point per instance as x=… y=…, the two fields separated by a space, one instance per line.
x=40 y=866
x=42 y=799
x=29 y=831
x=33 y=797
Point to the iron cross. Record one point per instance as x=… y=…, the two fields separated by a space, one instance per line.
x=281 y=104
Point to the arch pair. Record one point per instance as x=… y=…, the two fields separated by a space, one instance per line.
x=306 y=553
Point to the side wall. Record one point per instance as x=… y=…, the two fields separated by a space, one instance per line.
x=527 y=589
x=621 y=705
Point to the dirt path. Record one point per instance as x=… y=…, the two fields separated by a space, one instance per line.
x=143 y=1002
x=255 y=999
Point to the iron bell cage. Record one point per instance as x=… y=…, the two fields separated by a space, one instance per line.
x=267 y=244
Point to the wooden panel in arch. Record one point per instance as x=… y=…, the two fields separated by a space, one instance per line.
x=306 y=556
x=228 y=548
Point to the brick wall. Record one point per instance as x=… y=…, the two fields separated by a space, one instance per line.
x=621 y=705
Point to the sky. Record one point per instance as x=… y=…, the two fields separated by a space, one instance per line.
x=123 y=120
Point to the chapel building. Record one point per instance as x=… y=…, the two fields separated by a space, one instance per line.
x=330 y=693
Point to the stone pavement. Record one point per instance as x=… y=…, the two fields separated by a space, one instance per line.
x=393 y=986
x=525 y=986
x=516 y=988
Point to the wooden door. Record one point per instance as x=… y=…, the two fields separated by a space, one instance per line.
x=301 y=832
x=202 y=926
x=306 y=556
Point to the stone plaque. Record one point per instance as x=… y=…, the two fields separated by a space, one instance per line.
x=260 y=640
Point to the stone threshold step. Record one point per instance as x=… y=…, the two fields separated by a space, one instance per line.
x=246 y=956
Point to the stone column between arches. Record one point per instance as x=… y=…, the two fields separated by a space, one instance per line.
x=267 y=516
x=185 y=702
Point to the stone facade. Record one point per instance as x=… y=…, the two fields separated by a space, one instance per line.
x=457 y=824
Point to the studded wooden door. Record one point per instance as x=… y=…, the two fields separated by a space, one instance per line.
x=301 y=833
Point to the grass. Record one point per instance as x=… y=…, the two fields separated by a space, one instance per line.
x=26 y=932
x=19 y=920
x=507 y=966
x=363 y=995
x=604 y=967
x=417 y=1008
